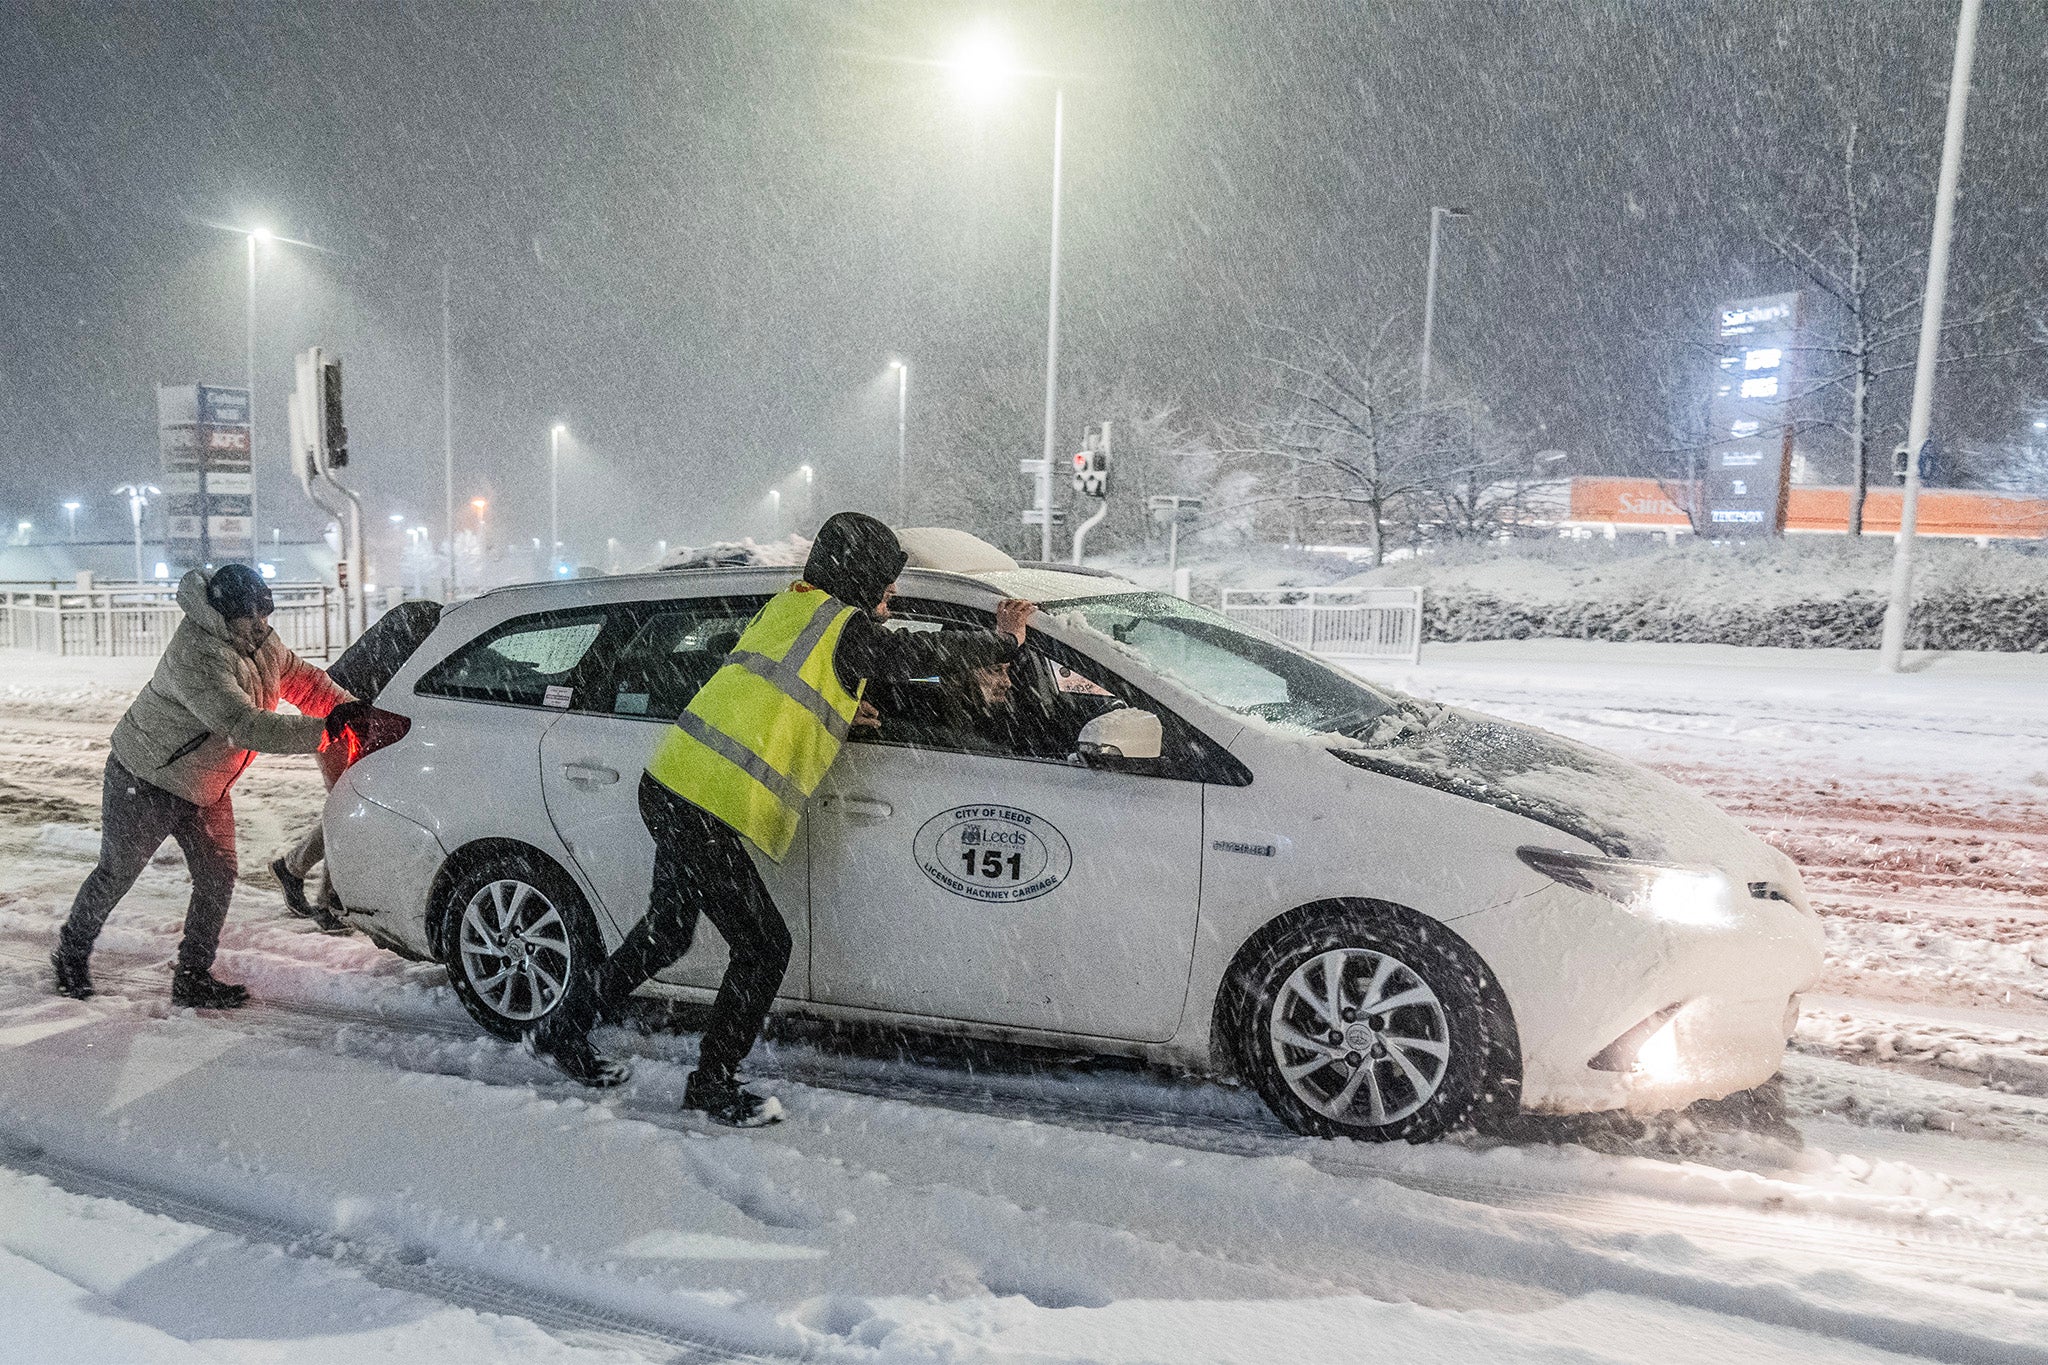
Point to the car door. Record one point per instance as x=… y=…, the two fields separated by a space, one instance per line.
x=972 y=875
x=593 y=756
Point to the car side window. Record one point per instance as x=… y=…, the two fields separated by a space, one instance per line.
x=530 y=661
x=671 y=649
x=1033 y=709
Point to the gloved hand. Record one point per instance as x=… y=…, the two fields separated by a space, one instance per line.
x=346 y=714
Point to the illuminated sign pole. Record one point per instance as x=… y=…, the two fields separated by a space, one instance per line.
x=203 y=430
x=1749 y=458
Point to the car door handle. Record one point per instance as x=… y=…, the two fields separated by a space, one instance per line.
x=590 y=774
x=857 y=807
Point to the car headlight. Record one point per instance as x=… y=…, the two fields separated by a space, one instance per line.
x=1658 y=891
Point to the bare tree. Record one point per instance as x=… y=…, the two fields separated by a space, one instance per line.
x=1875 y=285
x=1347 y=431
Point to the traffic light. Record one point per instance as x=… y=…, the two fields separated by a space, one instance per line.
x=1091 y=464
x=333 y=433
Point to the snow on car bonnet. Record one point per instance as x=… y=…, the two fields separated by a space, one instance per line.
x=1624 y=810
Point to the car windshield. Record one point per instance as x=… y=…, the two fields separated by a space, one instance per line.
x=1243 y=672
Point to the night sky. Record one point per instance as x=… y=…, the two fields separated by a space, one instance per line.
x=697 y=233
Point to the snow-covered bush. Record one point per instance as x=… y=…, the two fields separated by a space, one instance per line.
x=1794 y=594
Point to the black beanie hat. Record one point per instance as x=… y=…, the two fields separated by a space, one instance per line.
x=854 y=558
x=236 y=590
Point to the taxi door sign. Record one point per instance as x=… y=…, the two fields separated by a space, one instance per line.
x=995 y=854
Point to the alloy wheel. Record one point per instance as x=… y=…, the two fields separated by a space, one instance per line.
x=1359 y=1036
x=515 y=949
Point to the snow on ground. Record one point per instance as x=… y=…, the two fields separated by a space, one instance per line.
x=349 y=1169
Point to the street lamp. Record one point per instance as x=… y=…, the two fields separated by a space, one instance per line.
x=555 y=497
x=1892 y=643
x=259 y=236
x=1437 y=214
x=982 y=69
x=902 y=428
x=810 y=493
x=254 y=237
x=71 y=512
x=775 y=511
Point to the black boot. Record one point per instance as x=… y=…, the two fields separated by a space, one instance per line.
x=73 y=979
x=294 y=889
x=199 y=991
x=326 y=911
x=568 y=1047
x=722 y=1100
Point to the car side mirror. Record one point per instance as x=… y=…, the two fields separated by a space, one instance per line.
x=1121 y=735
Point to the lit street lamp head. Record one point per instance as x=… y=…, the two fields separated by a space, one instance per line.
x=261 y=236
x=981 y=66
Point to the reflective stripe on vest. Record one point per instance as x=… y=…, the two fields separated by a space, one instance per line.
x=758 y=738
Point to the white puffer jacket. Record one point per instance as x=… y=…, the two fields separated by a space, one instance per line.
x=211 y=708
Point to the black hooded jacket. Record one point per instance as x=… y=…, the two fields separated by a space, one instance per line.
x=856 y=557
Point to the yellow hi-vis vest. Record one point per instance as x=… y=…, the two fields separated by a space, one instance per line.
x=758 y=738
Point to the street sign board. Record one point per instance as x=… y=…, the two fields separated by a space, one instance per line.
x=1749 y=455
x=1170 y=510
x=203 y=433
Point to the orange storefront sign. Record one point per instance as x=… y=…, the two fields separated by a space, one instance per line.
x=1943 y=511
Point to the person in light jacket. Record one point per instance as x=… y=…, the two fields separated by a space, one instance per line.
x=209 y=709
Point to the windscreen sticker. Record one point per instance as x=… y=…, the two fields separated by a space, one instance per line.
x=557 y=695
x=995 y=854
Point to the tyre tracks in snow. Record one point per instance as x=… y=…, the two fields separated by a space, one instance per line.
x=406 y=1269
x=1556 y=1232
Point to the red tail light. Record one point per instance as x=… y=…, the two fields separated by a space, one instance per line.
x=373 y=731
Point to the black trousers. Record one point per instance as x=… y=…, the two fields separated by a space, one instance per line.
x=702 y=870
x=135 y=819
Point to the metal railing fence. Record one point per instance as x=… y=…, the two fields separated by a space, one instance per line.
x=1348 y=623
x=138 y=619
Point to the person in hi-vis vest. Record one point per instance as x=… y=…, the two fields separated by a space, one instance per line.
x=735 y=770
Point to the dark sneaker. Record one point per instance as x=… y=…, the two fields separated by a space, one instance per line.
x=72 y=977
x=727 y=1103
x=578 y=1060
x=294 y=889
x=199 y=991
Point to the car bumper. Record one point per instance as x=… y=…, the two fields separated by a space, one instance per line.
x=382 y=864
x=1617 y=1012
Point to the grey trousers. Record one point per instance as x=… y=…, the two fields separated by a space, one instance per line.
x=135 y=819
x=311 y=849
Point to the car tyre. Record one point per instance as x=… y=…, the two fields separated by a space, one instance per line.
x=519 y=940
x=1363 y=1022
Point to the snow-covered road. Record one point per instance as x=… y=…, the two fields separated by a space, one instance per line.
x=350 y=1169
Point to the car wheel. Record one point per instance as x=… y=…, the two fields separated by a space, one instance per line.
x=1364 y=1024
x=519 y=940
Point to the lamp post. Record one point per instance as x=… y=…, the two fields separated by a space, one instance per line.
x=810 y=494
x=253 y=238
x=775 y=511
x=902 y=430
x=981 y=68
x=258 y=236
x=1437 y=214
x=555 y=499
x=71 y=514
x=1892 y=647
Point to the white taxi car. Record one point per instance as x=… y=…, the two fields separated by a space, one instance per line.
x=1181 y=840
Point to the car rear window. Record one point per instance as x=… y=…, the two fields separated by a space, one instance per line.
x=528 y=662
